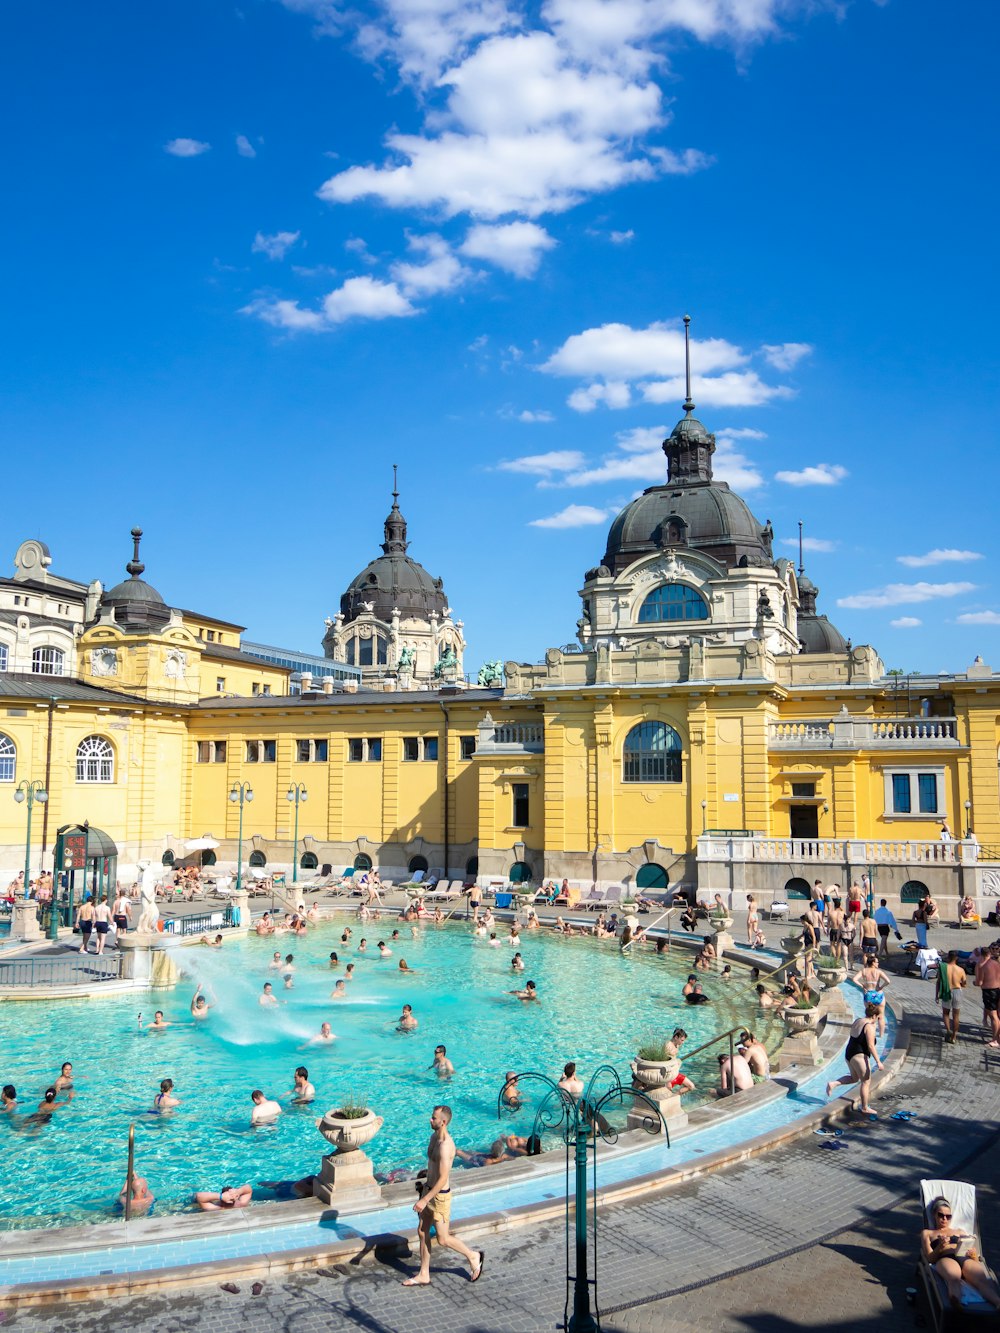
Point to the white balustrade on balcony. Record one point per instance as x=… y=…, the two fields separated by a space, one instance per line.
x=838 y=851
x=845 y=732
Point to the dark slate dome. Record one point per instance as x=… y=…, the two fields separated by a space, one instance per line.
x=692 y=509
x=816 y=634
x=136 y=603
x=394 y=579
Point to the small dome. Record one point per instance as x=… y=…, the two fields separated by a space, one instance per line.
x=708 y=517
x=136 y=603
x=691 y=430
x=817 y=635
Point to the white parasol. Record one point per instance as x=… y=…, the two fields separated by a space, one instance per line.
x=201 y=844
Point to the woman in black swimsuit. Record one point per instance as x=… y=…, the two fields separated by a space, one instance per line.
x=860 y=1048
x=954 y=1256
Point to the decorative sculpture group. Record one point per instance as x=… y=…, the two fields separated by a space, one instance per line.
x=491 y=673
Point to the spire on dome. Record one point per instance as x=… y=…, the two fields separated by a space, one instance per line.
x=395 y=525
x=135 y=566
x=688 y=401
x=690 y=447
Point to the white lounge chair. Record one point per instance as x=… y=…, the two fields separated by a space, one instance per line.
x=596 y=898
x=962 y=1197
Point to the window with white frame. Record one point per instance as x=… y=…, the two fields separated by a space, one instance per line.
x=365 y=749
x=261 y=752
x=8 y=758
x=468 y=746
x=312 y=751
x=95 y=760
x=48 y=661
x=3 y=657
x=211 y=752
x=914 y=793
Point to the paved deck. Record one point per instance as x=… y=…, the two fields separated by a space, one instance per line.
x=804 y=1237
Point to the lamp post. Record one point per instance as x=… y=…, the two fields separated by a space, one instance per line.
x=31 y=791
x=704 y=816
x=241 y=792
x=968 y=818
x=297 y=793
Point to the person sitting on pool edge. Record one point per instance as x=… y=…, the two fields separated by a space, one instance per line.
x=230 y=1196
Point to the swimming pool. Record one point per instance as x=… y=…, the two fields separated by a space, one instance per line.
x=596 y=1007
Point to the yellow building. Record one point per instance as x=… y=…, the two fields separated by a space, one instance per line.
x=710 y=728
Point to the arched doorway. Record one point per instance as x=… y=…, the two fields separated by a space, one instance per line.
x=362 y=861
x=651 y=876
x=418 y=863
x=520 y=873
x=797 y=888
x=472 y=867
x=208 y=857
x=914 y=891
x=257 y=861
x=167 y=859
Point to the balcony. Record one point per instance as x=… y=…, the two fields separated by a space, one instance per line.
x=839 y=851
x=510 y=738
x=844 y=732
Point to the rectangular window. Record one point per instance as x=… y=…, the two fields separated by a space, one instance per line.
x=211 y=752
x=204 y=752
x=411 y=749
x=901 y=794
x=374 y=749
x=803 y=790
x=355 y=751
x=211 y=636
x=431 y=748
x=927 y=797
x=266 y=689
x=519 y=791
x=320 y=751
x=220 y=684
x=219 y=757
x=253 y=752
x=269 y=751
x=302 y=749
x=468 y=744
x=3 y=657
x=255 y=688
x=364 y=652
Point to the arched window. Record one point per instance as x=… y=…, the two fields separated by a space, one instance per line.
x=472 y=867
x=796 y=888
x=208 y=857
x=652 y=754
x=417 y=863
x=47 y=661
x=8 y=758
x=167 y=859
x=257 y=860
x=95 y=760
x=520 y=873
x=914 y=891
x=651 y=876
x=673 y=601
x=309 y=861
x=362 y=861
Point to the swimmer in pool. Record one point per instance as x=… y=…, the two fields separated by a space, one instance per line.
x=407 y=1023
x=405 y=967
x=324 y=1035
x=303 y=1091
x=275 y=963
x=199 y=1005
x=517 y=963
x=349 y=972
x=159 y=1023
x=64 y=1083
x=339 y=991
x=267 y=995
x=165 y=1099
x=383 y=950
x=230 y=1196
x=442 y=1066
x=530 y=992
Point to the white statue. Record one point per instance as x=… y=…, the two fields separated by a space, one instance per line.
x=150 y=913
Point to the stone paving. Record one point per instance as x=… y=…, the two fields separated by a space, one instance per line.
x=806 y=1236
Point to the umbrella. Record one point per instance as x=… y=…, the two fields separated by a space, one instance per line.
x=632 y=921
x=201 y=844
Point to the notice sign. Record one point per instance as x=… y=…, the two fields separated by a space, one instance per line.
x=731 y=796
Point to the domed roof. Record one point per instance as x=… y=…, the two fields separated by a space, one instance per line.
x=816 y=634
x=706 y=516
x=394 y=580
x=136 y=603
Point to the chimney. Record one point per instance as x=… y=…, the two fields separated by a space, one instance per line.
x=307 y=681
x=327 y=684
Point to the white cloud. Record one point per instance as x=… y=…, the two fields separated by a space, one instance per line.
x=820 y=474
x=615 y=393
x=899 y=594
x=642 y=439
x=573 y=516
x=358 y=298
x=598 y=28
x=785 y=356
x=978 y=618
x=621 y=237
x=530 y=417
x=740 y=433
x=440 y=272
x=275 y=246
x=906 y=622
x=515 y=246
x=328 y=14
x=743 y=388
x=819 y=544
x=424 y=37
x=640 y=458
x=736 y=469
x=244 y=147
x=186 y=147
x=946 y=556
x=358 y=246
x=543 y=465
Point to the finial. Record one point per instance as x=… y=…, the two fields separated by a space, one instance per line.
x=135 y=566
x=395 y=488
x=688 y=403
x=801 y=565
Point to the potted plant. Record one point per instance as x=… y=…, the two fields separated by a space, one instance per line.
x=830 y=970
x=350 y=1125
x=654 y=1066
x=802 y=1016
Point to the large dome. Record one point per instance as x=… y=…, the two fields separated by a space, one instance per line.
x=394 y=580
x=707 y=516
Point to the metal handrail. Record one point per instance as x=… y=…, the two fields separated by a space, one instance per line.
x=130 y=1173
x=740 y=1027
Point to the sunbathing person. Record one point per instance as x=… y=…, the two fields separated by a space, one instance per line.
x=953 y=1254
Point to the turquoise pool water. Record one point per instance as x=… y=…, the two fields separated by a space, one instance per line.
x=596 y=1007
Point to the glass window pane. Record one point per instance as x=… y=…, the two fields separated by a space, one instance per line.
x=927 y=796
x=375 y=749
x=302 y=751
x=355 y=751
x=430 y=747
x=322 y=751
x=901 y=793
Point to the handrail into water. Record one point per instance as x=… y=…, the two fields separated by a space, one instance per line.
x=130 y=1173
x=740 y=1027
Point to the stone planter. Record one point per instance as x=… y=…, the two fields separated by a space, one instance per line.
x=801 y=1020
x=654 y=1073
x=792 y=944
x=346 y=1177
x=720 y=924
x=348 y=1135
x=831 y=976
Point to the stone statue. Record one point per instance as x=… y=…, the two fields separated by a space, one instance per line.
x=150 y=913
x=406 y=659
x=491 y=673
x=448 y=661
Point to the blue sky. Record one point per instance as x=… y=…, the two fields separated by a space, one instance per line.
x=257 y=253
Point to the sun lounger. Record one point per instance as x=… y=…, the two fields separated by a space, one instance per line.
x=596 y=898
x=777 y=911
x=962 y=1197
x=444 y=892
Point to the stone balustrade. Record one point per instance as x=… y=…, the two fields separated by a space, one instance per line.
x=845 y=732
x=839 y=851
